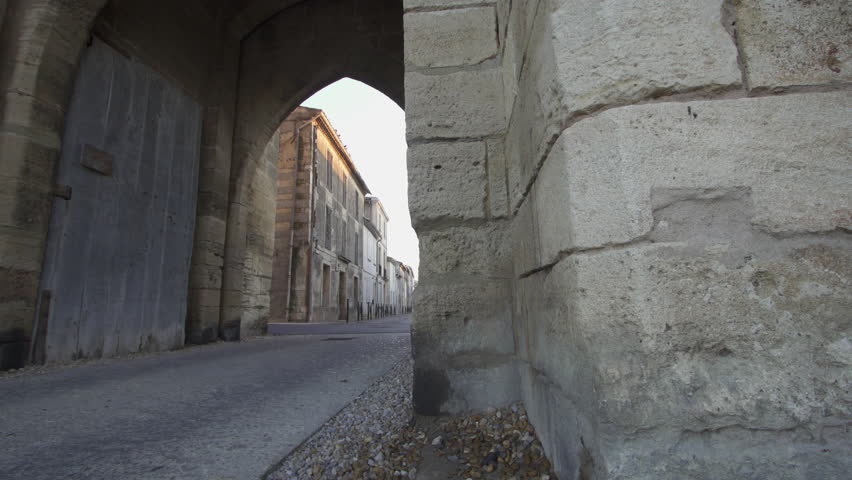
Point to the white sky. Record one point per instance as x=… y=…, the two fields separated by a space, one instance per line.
x=372 y=127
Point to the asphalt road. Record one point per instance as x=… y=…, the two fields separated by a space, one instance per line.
x=223 y=411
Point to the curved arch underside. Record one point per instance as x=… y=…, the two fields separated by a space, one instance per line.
x=247 y=62
x=306 y=47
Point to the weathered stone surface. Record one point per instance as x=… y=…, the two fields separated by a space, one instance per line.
x=703 y=340
x=498 y=195
x=468 y=316
x=463 y=343
x=447 y=38
x=526 y=246
x=789 y=42
x=412 y=4
x=753 y=352
x=790 y=151
x=624 y=50
x=477 y=387
x=566 y=431
x=467 y=250
x=447 y=180
x=588 y=55
x=514 y=44
x=453 y=105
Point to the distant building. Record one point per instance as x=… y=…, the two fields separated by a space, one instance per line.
x=330 y=260
x=401 y=286
x=409 y=282
x=317 y=268
x=375 y=256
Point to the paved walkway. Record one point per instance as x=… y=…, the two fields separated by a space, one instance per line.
x=224 y=411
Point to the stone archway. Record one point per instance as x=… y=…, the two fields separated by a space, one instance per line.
x=289 y=57
x=219 y=53
x=560 y=153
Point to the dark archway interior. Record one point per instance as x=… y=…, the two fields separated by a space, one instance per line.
x=244 y=65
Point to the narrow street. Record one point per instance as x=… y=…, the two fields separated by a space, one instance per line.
x=222 y=411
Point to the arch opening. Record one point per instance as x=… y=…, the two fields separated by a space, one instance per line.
x=335 y=207
x=234 y=64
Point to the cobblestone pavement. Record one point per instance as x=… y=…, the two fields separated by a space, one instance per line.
x=224 y=411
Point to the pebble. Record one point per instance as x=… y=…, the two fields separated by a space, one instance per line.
x=375 y=438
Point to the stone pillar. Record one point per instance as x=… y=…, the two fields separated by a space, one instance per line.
x=205 y=281
x=680 y=177
x=462 y=334
x=36 y=77
x=290 y=276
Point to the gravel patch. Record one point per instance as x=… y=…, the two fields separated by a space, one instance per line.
x=363 y=438
x=377 y=436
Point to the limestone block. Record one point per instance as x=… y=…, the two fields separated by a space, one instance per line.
x=791 y=152
x=414 y=4
x=467 y=250
x=586 y=55
x=449 y=388
x=789 y=42
x=624 y=50
x=566 y=432
x=24 y=205
x=210 y=298
x=446 y=38
x=19 y=289
x=210 y=229
x=205 y=277
x=454 y=105
x=498 y=195
x=472 y=317
x=519 y=24
x=717 y=347
x=446 y=180
x=538 y=110
x=742 y=337
x=525 y=240
x=21 y=249
x=476 y=388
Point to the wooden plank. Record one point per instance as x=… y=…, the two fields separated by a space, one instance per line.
x=97 y=160
x=133 y=233
x=118 y=254
x=71 y=240
x=113 y=263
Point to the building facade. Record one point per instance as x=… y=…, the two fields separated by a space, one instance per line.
x=375 y=257
x=317 y=267
x=330 y=261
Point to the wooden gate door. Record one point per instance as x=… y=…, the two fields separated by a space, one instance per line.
x=118 y=252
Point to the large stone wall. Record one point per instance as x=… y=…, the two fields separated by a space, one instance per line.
x=462 y=337
x=674 y=205
x=634 y=215
x=224 y=55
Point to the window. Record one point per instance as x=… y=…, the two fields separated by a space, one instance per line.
x=329 y=181
x=339 y=235
x=356 y=289
x=326 y=285
x=328 y=224
x=357 y=248
x=345 y=249
x=345 y=199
